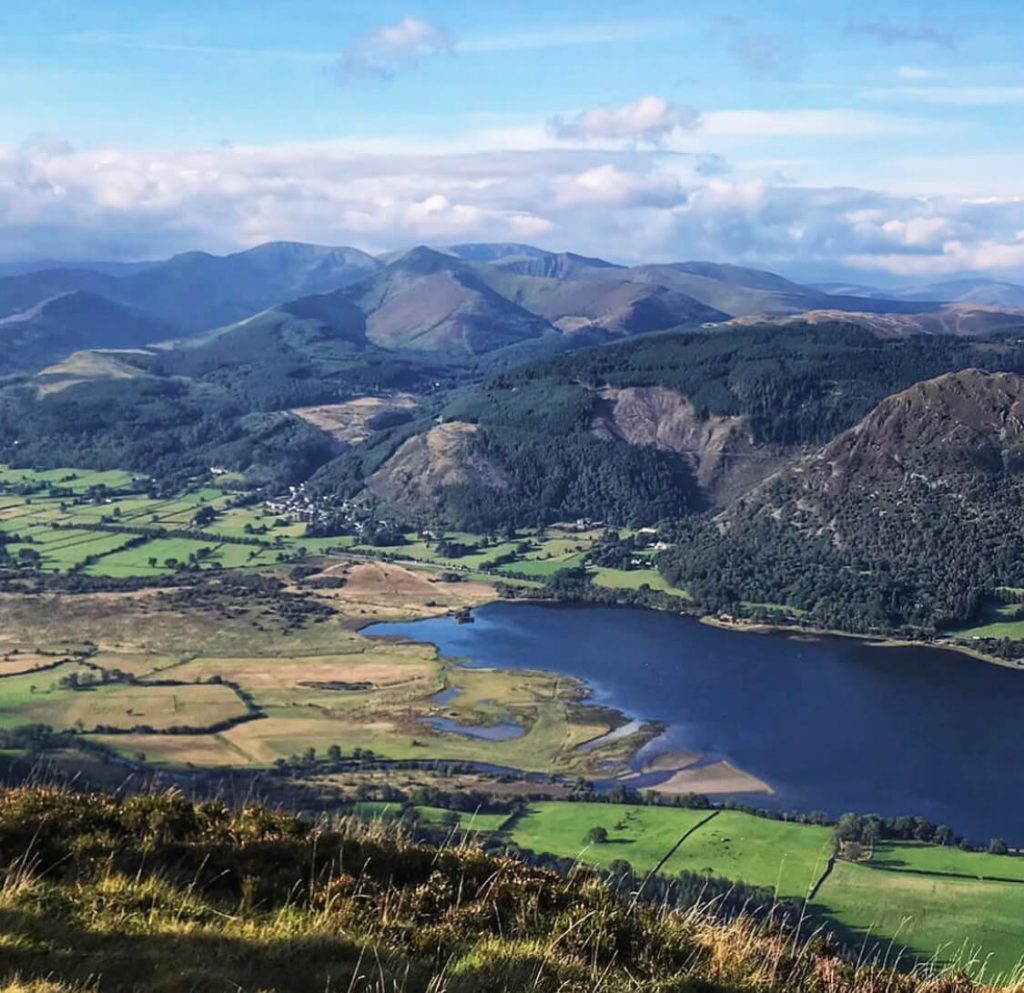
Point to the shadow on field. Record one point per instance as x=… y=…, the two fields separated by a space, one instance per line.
x=39 y=946
x=864 y=947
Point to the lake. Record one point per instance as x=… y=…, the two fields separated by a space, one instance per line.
x=833 y=724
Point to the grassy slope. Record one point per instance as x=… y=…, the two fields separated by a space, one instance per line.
x=932 y=913
x=642 y=836
x=973 y=923
x=154 y=894
x=788 y=858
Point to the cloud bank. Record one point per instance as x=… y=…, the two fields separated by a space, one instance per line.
x=628 y=201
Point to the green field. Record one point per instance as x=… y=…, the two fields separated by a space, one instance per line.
x=90 y=530
x=61 y=517
x=927 y=900
x=973 y=923
x=633 y=579
x=484 y=823
x=77 y=480
x=787 y=858
x=643 y=836
x=912 y=857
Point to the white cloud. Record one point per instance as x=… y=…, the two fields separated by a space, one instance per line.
x=630 y=204
x=649 y=119
x=393 y=47
x=955 y=257
x=835 y=122
x=911 y=73
x=612 y=186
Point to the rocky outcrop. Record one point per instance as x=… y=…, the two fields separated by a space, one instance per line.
x=719 y=448
x=414 y=479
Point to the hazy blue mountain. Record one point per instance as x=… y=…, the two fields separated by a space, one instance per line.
x=26 y=290
x=195 y=291
x=493 y=251
x=560 y=265
x=984 y=292
x=76 y=320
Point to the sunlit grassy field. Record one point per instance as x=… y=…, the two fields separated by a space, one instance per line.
x=633 y=579
x=788 y=858
x=642 y=836
x=960 y=920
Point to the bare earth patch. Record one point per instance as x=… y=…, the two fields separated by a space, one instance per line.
x=715 y=777
x=352 y=422
x=377 y=590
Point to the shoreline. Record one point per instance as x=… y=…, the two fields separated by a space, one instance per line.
x=716 y=778
x=738 y=624
x=875 y=641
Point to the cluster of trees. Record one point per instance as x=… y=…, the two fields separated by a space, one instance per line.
x=614 y=552
x=869 y=829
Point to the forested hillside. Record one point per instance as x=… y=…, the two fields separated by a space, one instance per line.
x=907 y=521
x=542 y=451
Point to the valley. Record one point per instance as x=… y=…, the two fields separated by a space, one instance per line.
x=382 y=537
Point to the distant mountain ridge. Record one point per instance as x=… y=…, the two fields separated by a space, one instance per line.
x=510 y=301
x=195 y=291
x=73 y=321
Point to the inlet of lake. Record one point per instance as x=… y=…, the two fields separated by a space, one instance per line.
x=831 y=724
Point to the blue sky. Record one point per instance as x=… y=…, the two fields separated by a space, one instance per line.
x=862 y=140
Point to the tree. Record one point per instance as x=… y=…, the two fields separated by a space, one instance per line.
x=597 y=836
x=998 y=847
x=944 y=835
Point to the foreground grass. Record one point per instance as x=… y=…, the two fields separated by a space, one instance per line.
x=159 y=895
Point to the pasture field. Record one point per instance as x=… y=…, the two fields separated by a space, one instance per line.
x=971 y=922
x=785 y=857
x=35 y=697
x=912 y=898
x=155 y=557
x=941 y=860
x=641 y=835
x=76 y=480
x=999 y=622
x=38 y=505
x=483 y=823
x=315 y=680
x=158 y=707
x=633 y=579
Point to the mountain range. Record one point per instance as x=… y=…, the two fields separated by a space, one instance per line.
x=455 y=302
x=803 y=447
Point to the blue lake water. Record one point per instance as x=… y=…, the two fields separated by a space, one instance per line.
x=832 y=724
